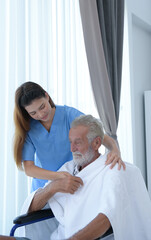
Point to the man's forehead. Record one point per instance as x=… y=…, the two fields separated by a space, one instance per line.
x=78 y=131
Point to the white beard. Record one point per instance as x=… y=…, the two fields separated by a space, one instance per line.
x=83 y=159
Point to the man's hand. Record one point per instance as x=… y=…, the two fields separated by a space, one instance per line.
x=115 y=157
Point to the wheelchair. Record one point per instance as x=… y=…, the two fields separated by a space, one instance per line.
x=38 y=216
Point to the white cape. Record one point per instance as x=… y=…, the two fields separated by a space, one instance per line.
x=120 y=195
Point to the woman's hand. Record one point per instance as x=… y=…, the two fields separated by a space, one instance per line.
x=115 y=157
x=67 y=184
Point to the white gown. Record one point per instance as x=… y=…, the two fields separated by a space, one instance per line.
x=120 y=195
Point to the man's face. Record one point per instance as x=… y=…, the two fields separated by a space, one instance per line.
x=80 y=147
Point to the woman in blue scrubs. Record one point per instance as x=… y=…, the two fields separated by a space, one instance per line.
x=41 y=143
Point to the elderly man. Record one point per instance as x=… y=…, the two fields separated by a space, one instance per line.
x=92 y=197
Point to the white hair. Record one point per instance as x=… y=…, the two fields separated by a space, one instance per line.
x=94 y=125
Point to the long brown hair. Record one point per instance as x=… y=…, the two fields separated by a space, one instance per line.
x=24 y=96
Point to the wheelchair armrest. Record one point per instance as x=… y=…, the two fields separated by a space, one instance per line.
x=30 y=218
x=33 y=216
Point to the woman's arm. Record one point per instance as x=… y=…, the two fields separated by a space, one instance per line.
x=114 y=156
x=33 y=171
x=70 y=184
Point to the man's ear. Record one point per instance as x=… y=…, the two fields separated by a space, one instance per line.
x=96 y=143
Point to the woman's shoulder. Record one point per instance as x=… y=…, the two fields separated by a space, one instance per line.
x=72 y=110
x=64 y=107
x=67 y=109
x=72 y=113
x=67 y=113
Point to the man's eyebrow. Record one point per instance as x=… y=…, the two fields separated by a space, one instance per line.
x=77 y=139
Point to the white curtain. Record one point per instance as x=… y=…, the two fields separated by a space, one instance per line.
x=41 y=41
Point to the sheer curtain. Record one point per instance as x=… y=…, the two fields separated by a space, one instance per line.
x=40 y=41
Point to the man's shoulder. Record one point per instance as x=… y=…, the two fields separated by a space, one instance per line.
x=115 y=175
x=67 y=167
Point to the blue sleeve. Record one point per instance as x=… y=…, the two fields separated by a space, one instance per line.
x=28 y=151
x=72 y=113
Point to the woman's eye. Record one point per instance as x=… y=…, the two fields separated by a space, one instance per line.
x=43 y=106
x=32 y=114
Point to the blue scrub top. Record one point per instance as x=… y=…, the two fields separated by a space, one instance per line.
x=50 y=150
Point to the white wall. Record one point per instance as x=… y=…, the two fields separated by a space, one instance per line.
x=139 y=37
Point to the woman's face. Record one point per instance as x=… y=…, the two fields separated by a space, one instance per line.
x=40 y=109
